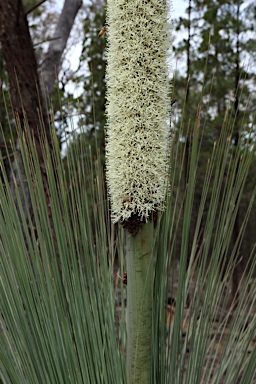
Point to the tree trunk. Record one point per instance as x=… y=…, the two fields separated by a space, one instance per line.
x=26 y=94
x=52 y=61
x=21 y=67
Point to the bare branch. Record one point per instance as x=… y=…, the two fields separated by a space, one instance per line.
x=46 y=41
x=34 y=7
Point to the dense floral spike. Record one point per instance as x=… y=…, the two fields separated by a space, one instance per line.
x=137 y=138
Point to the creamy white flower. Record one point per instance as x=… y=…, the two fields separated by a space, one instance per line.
x=138 y=133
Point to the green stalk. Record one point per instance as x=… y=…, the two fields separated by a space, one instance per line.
x=139 y=304
x=137 y=153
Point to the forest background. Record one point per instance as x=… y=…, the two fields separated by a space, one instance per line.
x=213 y=92
x=213 y=65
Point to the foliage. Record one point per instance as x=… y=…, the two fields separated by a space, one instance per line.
x=216 y=48
x=63 y=315
x=57 y=284
x=58 y=297
x=219 y=34
x=91 y=77
x=209 y=326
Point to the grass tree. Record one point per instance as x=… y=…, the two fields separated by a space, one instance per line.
x=57 y=297
x=57 y=324
x=137 y=154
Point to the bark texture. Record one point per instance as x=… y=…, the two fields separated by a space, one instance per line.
x=53 y=59
x=20 y=63
x=26 y=98
x=26 y=93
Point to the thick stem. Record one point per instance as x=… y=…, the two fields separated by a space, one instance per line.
x=139 y=304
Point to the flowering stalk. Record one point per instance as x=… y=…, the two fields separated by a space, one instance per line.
x=137 y=146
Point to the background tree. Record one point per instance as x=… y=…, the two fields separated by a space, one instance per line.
x=26 y=95
x=216 y=46
x=27 y=98
x=53 y=58
x=55 y=322
x=90 y=79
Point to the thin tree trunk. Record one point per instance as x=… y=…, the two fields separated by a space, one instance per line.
x=53 y=58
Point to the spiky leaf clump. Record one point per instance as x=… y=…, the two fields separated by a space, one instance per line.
x=137 y=106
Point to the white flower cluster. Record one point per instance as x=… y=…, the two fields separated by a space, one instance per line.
x=138 y=132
